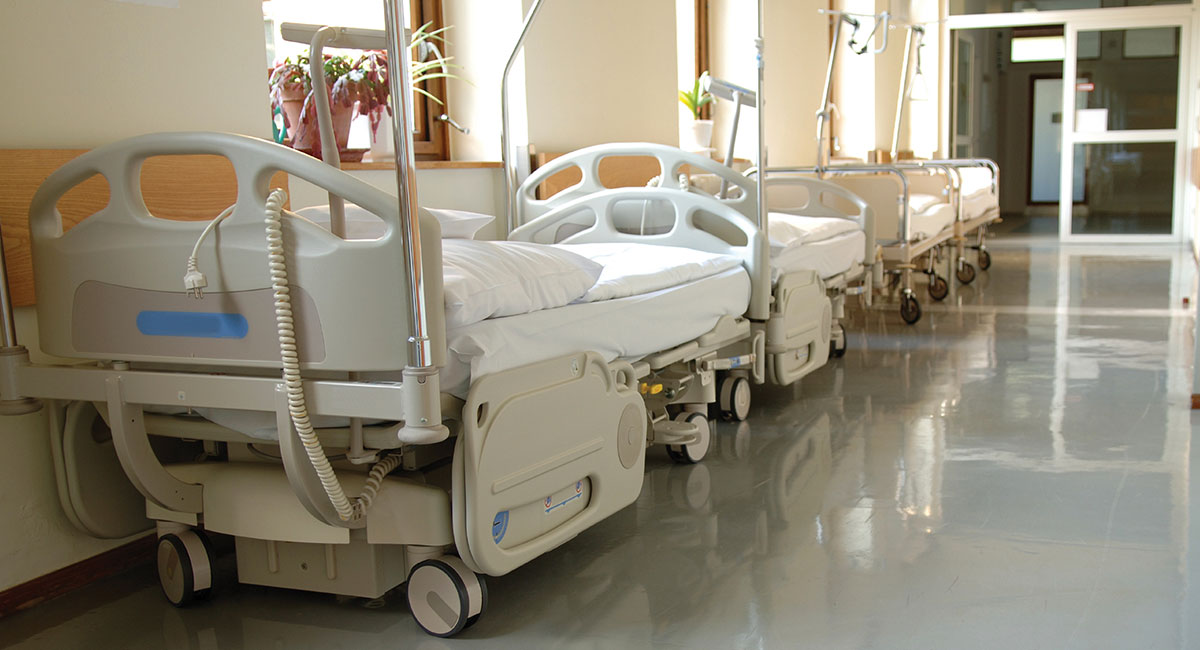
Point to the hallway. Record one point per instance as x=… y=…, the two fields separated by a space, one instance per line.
x=1009 y=473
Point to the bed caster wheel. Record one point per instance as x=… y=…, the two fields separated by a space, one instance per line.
x=938 y=287
x=185 y=561
x=444 y=596
x=696 y=451
x=910 y=309
x=985 y=260
x=837 y=343
x=965 y=273
x=734 y=398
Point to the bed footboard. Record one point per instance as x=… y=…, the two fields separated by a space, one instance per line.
x=799 y=329
x=546 y=451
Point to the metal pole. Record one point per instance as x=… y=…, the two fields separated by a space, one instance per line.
x=761 y=103
x=506 y=154
x=8 y=327
x=823 y=112
x=902 y=94
x=421 y=351
x=737 y=115
x=329 y=148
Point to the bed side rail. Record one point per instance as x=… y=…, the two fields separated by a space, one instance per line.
x=822 y=199
x=122 y=266
x=897 y=174
x=701 y=222
x=671 y=162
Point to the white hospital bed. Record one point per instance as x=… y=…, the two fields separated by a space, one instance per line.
x=977 y=206
x=915 y=218
x=793 y=316
x=534 y=449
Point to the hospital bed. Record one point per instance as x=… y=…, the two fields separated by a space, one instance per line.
x=977 y=206
x=477 y=476
x=794 y=318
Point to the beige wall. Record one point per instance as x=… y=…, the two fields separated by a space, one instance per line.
x=866 y=85
x=796 y=42
x=481 y=36
x=733 y=26
x=797 y=46
x=90 y=73
x=94 y=72
x=602 y=72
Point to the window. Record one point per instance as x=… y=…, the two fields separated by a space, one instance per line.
x=430 y=138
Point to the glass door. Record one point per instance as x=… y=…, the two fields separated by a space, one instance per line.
x=1122 y=120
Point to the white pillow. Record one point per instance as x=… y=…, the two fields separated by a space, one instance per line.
x=789 y=229
x=361 y=224
x=490 y=279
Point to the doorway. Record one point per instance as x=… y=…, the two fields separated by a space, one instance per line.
x=1121 y=118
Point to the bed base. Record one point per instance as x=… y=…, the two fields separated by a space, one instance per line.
x=586 y=456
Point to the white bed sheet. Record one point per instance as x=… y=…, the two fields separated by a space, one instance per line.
x=929 y=218
x=786 y=230
x=828 y=257
x=975 y=179
x=977 y=204
x=625 y=328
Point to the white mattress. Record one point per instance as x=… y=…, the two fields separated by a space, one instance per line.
x=975 y=180
x=977 y=204
x=626 y=328
x=828 y=257
x=785 y=229
x=929 y=216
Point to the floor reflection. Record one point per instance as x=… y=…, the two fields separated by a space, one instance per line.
x=1011 y=472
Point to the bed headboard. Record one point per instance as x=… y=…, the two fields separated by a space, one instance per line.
x=699 y=222
x=185 y=188
x=649 y=159
x=112 y=288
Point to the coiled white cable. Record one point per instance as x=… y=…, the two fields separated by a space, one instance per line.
x=346 y=509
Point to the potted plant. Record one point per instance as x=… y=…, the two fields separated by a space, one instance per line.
x=291 y=91
x=356 y=86
x=701 y=130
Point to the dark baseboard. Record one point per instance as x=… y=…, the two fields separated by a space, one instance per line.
x=69 y=578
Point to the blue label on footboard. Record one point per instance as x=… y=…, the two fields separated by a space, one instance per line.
x=195 y=324
x=499 y=526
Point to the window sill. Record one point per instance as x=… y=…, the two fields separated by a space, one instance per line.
x=424 y=164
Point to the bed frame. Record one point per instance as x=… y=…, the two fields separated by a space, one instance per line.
x=794 y=317
x=571 y=429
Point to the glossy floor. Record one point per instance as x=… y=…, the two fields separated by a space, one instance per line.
x=1011 y=472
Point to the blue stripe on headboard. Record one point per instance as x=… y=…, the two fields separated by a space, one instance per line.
x=193 y=324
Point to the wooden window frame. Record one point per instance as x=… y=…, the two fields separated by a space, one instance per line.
x=431 y=140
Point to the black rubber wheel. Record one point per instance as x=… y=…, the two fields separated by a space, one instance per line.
x=965 y=273
x=177 y=567
x=985 y=260
x=910 y=309
x=834 y=350
x=938 y=287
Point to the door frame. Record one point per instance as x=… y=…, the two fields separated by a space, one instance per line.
x=1177 y=136
x=1088 y=19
